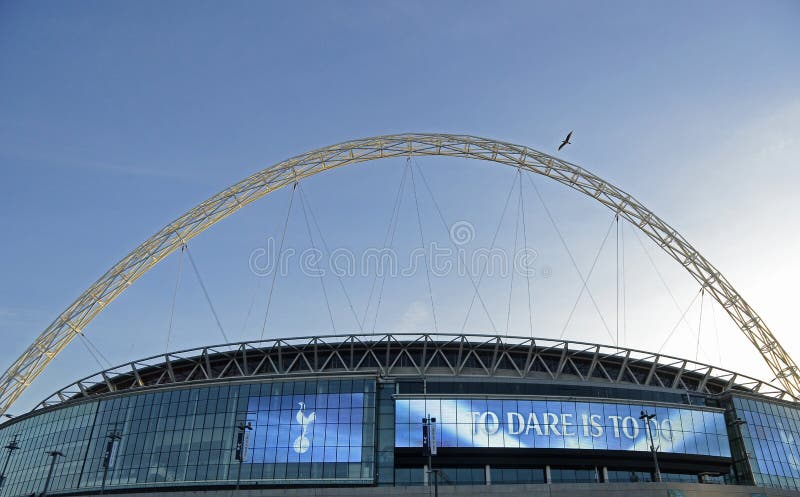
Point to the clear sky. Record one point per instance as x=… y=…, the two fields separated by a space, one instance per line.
x=116 y=117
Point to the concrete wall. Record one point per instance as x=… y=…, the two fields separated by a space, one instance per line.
x=540 y=490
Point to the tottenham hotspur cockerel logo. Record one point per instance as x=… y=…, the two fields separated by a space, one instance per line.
x=303 y=443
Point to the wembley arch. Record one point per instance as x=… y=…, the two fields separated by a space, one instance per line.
x=121 y=275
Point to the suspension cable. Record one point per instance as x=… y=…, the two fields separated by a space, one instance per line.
x=207 y=296
x=250 y=307
x=174 y=298
x=314 y=246
x=338 y=276
x=700 y=323
x=253 y=296
x=388 y=241
x=446 y=227
x=616 y=219
x=491 y=247
x=511 y=282
x=671 y=294
x=678 y=323
x=96 y=353
x=96 y=349
x=661 y=278
x=525 y=245
x=716 y=332
x=585 y=287
x=380 y=292
x=624 y=286
x=91 y=352
x=424 y=247
x=278 y=257
x=569 y=253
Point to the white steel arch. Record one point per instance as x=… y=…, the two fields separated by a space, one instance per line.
x=75 y=318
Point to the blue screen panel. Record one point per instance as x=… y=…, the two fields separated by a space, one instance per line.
x=510 y=423
x=305 y=428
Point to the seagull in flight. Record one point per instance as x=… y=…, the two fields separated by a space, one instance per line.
x=566 y=141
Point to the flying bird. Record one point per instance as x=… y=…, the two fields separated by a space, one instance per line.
x=566 y=141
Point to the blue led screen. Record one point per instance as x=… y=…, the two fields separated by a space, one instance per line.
x=511 y=423
x=305 y=428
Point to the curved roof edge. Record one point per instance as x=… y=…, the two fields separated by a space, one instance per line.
x=417 y=355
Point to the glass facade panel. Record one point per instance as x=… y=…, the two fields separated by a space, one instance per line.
x=63 y=430
x=308 y=430
x=510 y=476
x=625 y=476
x=461 y=476
x=335 y=431
x=570 y=475
x=770 y=433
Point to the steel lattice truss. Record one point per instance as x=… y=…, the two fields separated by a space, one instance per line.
x=416 y=356
x=74 y=319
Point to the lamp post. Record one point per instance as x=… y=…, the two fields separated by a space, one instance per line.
x=55 y=454
x=11 y=447
x=429 y=447
x=647 y=418
x=111 y=448
x=241 y=449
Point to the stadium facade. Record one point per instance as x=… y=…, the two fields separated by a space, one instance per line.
x=347 y=412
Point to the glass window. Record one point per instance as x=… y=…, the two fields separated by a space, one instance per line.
x=573 y=475
x=190 y=435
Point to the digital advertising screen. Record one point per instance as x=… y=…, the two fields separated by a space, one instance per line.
x=305 y=428
x=510 y=423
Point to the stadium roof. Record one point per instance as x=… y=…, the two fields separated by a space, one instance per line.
x=417 y=356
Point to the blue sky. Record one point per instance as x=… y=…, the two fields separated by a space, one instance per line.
x=118 y=117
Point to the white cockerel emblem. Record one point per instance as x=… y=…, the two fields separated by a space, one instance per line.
x=303 y=443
